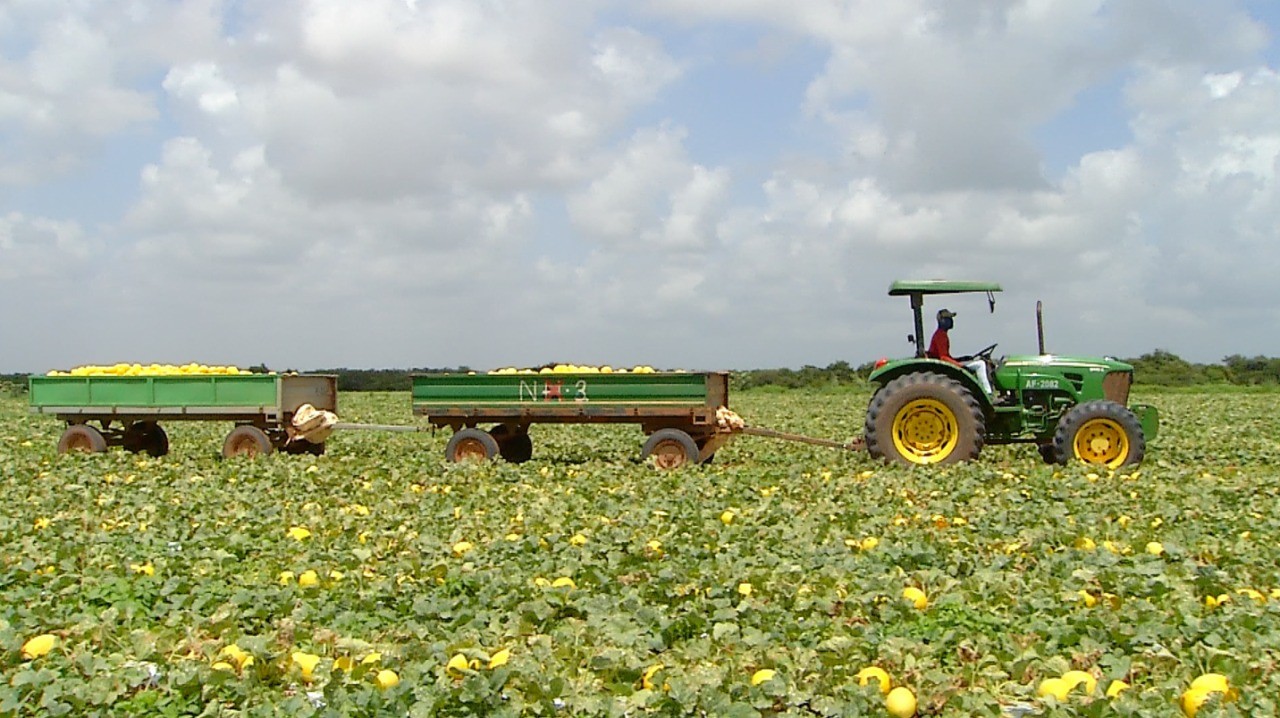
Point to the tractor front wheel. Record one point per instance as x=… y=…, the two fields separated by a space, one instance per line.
x=1048 y=453
x=924 y=418
x=1099 y=432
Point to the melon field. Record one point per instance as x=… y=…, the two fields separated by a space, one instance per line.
x=379 y=580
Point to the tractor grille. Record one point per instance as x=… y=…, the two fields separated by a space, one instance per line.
x=1115 y=386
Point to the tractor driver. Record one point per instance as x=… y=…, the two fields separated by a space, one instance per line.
x=940 y=348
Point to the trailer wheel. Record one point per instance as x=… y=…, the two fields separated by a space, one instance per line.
x=1100 y=432
x=471 y=445
x=82 y=437
x=145 y=436
x=924 y=418
x=246 y=440
x=302 y=446
x=514 y=444
x=714 y=443
x=670 y=449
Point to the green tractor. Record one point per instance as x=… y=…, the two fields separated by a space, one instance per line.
x=928 y=411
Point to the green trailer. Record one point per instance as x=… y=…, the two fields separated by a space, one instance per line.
x=677 y=410
x=129 y=409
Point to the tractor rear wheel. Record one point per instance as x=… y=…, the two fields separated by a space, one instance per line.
x=1100 y=432
x=924 y=418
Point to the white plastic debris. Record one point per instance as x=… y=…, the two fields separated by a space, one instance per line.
x=728 y=420
x=312 y=424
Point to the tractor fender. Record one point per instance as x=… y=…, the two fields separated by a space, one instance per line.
x=1148 y=418
x=895 y=369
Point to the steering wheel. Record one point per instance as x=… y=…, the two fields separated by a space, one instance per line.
x=984 y=354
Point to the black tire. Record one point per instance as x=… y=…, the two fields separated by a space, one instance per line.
x=670 y=449
x=925 y=418
x=82 y=437
x=471 y=445
x=145 y=436
x=246 y=440
x=711 y=458
x=1100 y=432
x=133 y=438
x=1048 y=453
x=702 y=446
x=302 y=446
x=514 y=444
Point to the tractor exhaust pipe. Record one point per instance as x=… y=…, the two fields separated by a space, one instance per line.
x=1040 y=325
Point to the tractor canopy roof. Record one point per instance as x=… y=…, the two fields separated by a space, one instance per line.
x=907 y=287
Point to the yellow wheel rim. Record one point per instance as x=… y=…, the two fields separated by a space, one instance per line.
x=1102 y=441
x=925 y=431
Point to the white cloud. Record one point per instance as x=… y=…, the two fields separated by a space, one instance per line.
x=651 y=196
x=40 y=250
x=203 y=83
x=64 y=90
x=449 y=181
x=382 y=99
x=633 y=64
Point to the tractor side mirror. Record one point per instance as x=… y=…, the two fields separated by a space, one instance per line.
x=911 y=339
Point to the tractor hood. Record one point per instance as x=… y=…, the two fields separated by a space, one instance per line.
x=1083 y=377
x=1033 y=361
x=1025 y=362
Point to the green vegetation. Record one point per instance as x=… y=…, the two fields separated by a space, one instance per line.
x=11 y=384
x=379 y=379
x=1162 y=368
x=680 y=587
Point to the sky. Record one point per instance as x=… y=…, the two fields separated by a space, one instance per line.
x=726 y=184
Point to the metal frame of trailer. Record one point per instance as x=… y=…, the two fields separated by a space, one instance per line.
x=129 y=409
x=677 y=410
x=684 y=414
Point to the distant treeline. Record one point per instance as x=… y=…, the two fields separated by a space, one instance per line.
x=381 y=379
x=1157 y=368
x=1164 y=368
x=13 y=383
